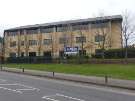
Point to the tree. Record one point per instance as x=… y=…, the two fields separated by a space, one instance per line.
x=128 y=30
x=52 y=44
x=26 y=38
x=40 y=41
x=18 y=44
x=101 y=35
x=82 y=40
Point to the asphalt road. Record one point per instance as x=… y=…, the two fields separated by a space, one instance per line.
x=18 y=87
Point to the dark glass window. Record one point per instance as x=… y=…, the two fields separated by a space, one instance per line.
x=22 y=43
x=61 y=53
x=12 y=33
x=47 y=54
x=47 y=30
x=22 y=54
x=32 y=54
x=12 y=54
x=99 y=25
x=32 y=31
x=13 y=44
x=63 y=40
x=80 y=39
x=32 y=42
x=99 y=38
x=82 y=52
x=21 y=32
x=80 y=27
x=62 y=28
x=47 y=41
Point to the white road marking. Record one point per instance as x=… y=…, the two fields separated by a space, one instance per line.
x=4 y=84
x=11 y=90
x=49 y=96
x=26 y=88
x=50 y=99
x=69 y=97
x=29 y=87
x=3 y=80
x=60 y=95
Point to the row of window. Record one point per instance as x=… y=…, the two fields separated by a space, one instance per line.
x=62 y=40
x=63 y=28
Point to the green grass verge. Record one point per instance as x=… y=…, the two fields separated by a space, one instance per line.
x=114 y=70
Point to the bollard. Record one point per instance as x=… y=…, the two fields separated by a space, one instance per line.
x=23 y=70
x=53 y=74
x=106 y=79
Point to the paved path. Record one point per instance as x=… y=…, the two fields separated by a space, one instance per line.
x=18 y=87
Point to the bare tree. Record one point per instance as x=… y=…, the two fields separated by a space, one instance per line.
x=102 y=37
x=26 y=38
x=52 y=44
x=128 y=30
x=40 y=41
x=103 y=32
x=18 y=44
x=82 y=40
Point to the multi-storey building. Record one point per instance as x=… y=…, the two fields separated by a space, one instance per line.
x=49 y=39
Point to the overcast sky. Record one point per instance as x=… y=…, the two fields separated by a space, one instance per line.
x=25 y=12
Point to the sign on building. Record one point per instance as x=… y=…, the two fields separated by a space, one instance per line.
x=71 y=50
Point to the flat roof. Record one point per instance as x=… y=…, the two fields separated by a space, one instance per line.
x=114 y=17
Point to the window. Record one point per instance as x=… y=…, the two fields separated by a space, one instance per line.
x=47 y=54
x=32 y=54
x=12 y=54
x=80 y=39
x=61 y=53
x=63 y=40
x=32 y=42
x=12 y=33
x=82 y=52
x=22 y=54
x=32 y=31
x=47 y=41
x=99 y=25
x=47 y=30
x=62 y=28
x=98 y=51
x=21 y=32
x=22 y=43
x=99 y=38
x=80 y=27
x=13 y=44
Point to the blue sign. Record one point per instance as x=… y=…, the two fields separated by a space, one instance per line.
x=71 y=50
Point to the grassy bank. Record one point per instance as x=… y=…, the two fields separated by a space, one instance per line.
x=114 y=70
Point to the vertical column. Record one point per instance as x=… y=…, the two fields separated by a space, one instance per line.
x=90 y=40
x=18 y=43
x=26 y=42
x=5 y=45
x=72 y=36
x=110 y=36
x=54 y=38
x=39 y=41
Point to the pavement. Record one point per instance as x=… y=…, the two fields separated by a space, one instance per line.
x=105 y=81
x=20 y=87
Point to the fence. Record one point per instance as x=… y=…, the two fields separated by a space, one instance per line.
x=76 y=60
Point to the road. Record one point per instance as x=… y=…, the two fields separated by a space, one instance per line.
x=18 y=87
